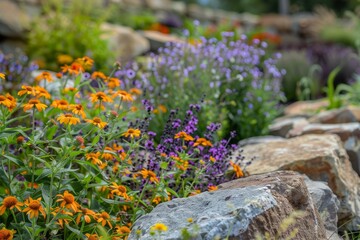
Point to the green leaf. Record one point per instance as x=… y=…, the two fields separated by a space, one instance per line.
x=164 y=165
x=51 y=132
x=95 y=140
x=78 y=80
x=76 y=231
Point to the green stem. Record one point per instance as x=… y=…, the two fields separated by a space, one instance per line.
x=33 y=140
x=13 y=214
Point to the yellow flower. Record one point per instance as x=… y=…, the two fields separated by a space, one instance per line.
x=6 y=234
x=41 y=92
x=9 y=203
x=113 y=82
x=106 y=155
x=203 y=142
x=94 y=158
x=97 y=122
x=61 y=104
x=86 y=213
x=5 y=101
x=27 y=90
x=86 y=62
x=95 y=75
x=135 y=91
x=184 y=136
x=68 y=200
x=122 y=230
x=62 y=220
x=104 y=218
x=131 y=132
x=100 y=96
x=125 y=96
x=150 y=175
x=12 y=101
x=34 y=103
x=92 y=236
x=34 y=207
x=2 y=76
x=237 y=169
x=64 y=59
x=159 y=227
x=68 y=118
x=44 y=76
x=77 y=109
x=119 y=190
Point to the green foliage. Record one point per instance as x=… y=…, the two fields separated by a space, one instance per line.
x=69 y=30
x=332 y=95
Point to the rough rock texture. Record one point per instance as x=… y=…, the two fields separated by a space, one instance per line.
x=13 y=21
x=342 y=115
x=124 y=42
x=306 y=107
x=320 y=157
x=239 y=210
x=259 y=139
x=349 y=134
x=282 y=126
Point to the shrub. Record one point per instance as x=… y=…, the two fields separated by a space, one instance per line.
x=241 y=86
x=81 y=164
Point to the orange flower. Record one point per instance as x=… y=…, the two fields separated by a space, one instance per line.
x=97 y=122
x=10 y=202
x=77 y=109
x=68 y=200
x=6 y=234
x=34 y=207
x=123 y=230
x=5 y=101
x=94 y=158
x=12 y=101
x=34 y=103
x=184 y=136
x=61 y=220
x=64 y=59
x=86 y=213
x=86 y=62
x=60 y=104
x=119 y=190
x=92 y=236
x=150 y=175
x=95 y=75
x=237 y=169
x=125 y=96
x=27 y=90
x=212 y=188
x=70 y=90
x=2 y=76
x=203 y=142
x=74 y=68
x=113 y=82
x=106 y=155
x=135 y=91
x=104 y=218
x=100 y=96
x=68 y=118
x=44 y=76
x=131 y=132
x=41 y=92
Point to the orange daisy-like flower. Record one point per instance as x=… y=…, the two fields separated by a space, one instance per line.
x=70 y=90
x=68 y=200
x=92 y=236
x=122 y=230
x=34 y=207
x=184 y=136
x=86 y=62
x=60 y=104
x=112 y=82
x=2 y=76
x=212 y=188
x=77 y=109
x=41 y=92
x=135 y=91
x=97 y=122
x=34 y=103
x=68 y=118
x=74 y=68
x=5 y=101
x=131 y=132
x=6 y=234
x=95 y=75
x=100 y=96
x=148 y=174
x=124 y=95
x=12 y=101
x=202 y=142
x=119 y=190
x=94 y=158
x=62 y=220
x=86 y=214
x=106 y=155
x=27 y=90
x=44 y=76
x=104 y=218
x=10 y=202
x=237 y=169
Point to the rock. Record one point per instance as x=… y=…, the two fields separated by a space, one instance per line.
x=349 y=134
x=158 y=4
x=240 y=209
x=342 y=115
x=355 y=111
x=125 y=42
x=281 y=126
x=306 y=108
x=13 y=21
x=321 y=158
x=325 y=202
x=259 y=139
x=158 y=39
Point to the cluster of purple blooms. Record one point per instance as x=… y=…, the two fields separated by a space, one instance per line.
x=237 y=78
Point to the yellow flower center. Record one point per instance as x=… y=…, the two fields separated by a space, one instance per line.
x=10 y=202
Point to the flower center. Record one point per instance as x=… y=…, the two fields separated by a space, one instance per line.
x=34 y=205
x=10 y=202
x=2 y=98
x=5 y=234
x=69 y=198
x=68 y=115
x=105 y=215
x=97 y=120
x=34 y=101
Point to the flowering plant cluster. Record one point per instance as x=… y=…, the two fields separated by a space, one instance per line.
x=240 y=83
x=78 y=161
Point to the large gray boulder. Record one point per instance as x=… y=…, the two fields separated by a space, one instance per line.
x=241 y=209
x=13 y=21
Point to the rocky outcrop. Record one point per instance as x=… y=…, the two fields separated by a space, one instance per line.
x=320 y=157
x=158 y=39
x=13 y=21
x=241 y=209
x=306 y=108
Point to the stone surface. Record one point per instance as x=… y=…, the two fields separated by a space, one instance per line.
x=342 y=115
x=308 y=108
x=239 y=210
x=282 y=126
x=124 y=42
x=158 y=39
x=320 y=157
x=260 y=139
x=13 y=21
